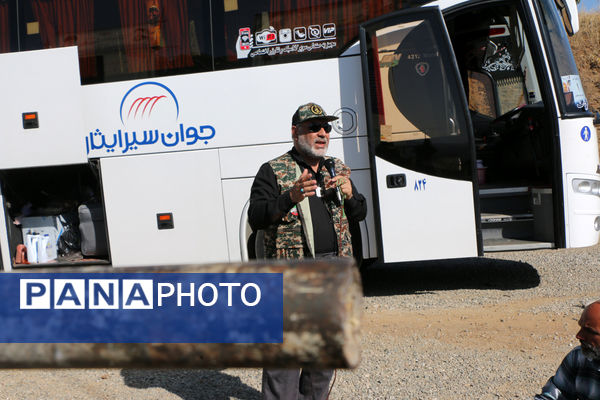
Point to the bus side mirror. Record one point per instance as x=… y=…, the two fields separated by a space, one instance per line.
x=596 y=116
x=569 y=14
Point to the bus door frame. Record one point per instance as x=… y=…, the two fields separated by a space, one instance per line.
x=395 y=248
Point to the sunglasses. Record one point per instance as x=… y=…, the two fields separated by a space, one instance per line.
x=317 y=127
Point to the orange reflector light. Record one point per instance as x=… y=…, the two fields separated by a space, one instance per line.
x=164 y=221
x=30 y=120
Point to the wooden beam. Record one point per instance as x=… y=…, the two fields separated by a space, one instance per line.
x=321 y=306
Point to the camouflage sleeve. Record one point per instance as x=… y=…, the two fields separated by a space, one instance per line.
x=341 y=168
x=267 y=204
x=356 y=207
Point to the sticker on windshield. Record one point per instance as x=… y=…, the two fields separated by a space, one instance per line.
x=573 y=90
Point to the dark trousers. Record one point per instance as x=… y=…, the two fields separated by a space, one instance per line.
x=295 y=384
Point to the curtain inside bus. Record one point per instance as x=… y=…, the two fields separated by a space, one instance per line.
x=68 y=23
x=130 y=39
x=116 y=39
x=155 y=34
x=4 y=27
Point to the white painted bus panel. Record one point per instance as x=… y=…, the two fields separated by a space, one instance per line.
x=239 y=162
x=583 y=209
x=362 y=181
x=579 y=157
x=245 y=162
x=46 y=82
x=186 y=184
x=354 y=151
x=236 y=193
x=238 y=107
x=431 y=218
x=578 y=141
x=233 y=187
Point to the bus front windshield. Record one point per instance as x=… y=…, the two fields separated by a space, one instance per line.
x=572 y=98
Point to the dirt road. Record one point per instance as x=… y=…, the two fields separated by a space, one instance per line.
x=490 y=328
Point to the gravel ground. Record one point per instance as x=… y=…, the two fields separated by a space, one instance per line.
x=490 y=328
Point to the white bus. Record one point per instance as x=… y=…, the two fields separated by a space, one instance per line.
x=131 y=130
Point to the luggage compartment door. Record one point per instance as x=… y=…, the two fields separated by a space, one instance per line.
x=164 y=209
x=41 y=109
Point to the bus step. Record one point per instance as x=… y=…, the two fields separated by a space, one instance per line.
x=502 y=226
x=507 y=244
x=510 y=200
x=505 y=191
x=490 y=218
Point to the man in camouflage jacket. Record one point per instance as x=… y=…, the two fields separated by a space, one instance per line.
x=304 y=211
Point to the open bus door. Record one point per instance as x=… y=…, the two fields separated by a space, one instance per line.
x=421 y=139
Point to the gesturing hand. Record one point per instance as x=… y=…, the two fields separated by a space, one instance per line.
x=344 y=184
x=305 y=186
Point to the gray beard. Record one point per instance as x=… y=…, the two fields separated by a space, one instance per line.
x=590 y=352
x=307 y=149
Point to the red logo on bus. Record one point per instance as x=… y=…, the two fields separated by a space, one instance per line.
x=143 y=99
x=140 y=106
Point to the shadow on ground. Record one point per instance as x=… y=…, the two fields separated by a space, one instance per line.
x=467 y=273
x=198 y=384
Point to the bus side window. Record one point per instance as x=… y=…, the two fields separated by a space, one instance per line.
x=120 y=39
x=5 y=27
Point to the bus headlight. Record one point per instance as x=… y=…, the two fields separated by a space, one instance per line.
x=586 y=186
x=597 y=224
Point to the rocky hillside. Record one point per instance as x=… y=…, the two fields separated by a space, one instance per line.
x=586 y=50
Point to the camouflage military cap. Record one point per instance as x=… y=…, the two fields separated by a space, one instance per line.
x=310 y=111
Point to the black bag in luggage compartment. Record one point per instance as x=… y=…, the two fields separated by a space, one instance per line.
x=69 y=240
